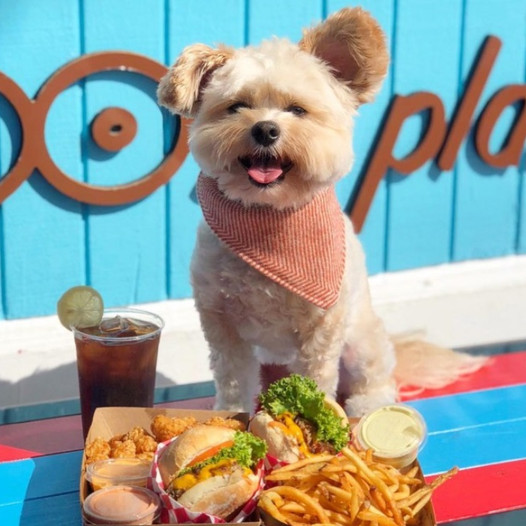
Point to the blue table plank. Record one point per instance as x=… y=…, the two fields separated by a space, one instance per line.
x=39 y=477
x=475 y=446
x=465 y=410
x=63 y=510
x=14 y=480
x=474 y=429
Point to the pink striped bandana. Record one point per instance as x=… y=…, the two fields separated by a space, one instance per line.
x=301 y=249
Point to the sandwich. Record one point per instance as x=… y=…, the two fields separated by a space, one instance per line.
x=212 y=469
x=297 y=420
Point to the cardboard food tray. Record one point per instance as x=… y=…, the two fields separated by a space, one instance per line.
x=111 y=421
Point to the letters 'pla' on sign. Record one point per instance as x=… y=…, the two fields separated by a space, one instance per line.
x=112 y=129
x=437 y=139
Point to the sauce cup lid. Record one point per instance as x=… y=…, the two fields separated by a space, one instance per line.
x=394 y=432
x=115 y=470
x=121 y=505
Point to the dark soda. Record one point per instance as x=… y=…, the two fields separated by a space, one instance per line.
x=117 y=363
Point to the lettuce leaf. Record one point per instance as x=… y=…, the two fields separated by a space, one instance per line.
x=247 y=450
x=300 y=396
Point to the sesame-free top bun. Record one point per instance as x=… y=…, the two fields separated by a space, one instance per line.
x=220 y=495
x=188 y=445
x=281 y=445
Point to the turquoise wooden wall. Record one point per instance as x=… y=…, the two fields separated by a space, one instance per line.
x=140 y=252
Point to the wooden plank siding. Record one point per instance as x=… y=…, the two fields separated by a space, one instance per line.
x=433 y=67
x=487 y=200
x=43 y=246
x=188 y=22
x=369 y=117
x=126 y=246
x=141 y=252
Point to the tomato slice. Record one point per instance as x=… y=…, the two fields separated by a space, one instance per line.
x=210 y=452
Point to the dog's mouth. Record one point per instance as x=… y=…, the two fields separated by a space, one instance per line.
x=265 y=170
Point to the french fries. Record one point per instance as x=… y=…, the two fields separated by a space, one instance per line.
x=349 y=489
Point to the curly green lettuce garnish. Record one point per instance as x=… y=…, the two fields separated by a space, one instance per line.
x=300 y=396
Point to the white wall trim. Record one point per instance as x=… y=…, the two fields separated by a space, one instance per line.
x=457 y=305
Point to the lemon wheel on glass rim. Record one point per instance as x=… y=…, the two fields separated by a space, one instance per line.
x=80 y=307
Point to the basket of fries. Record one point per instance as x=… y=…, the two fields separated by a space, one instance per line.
x=348 y=489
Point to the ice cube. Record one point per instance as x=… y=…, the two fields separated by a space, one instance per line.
x=117 y=324
x=140 y=327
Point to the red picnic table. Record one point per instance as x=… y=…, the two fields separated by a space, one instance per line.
x=477 y=424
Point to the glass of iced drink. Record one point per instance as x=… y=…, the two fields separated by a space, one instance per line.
x=117 y=361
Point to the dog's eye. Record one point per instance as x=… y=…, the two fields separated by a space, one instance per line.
x=234 y=108
x=297 y=110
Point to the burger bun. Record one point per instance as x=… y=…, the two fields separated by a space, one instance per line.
x=188 y=446
x=221 y=495
x=281 y=445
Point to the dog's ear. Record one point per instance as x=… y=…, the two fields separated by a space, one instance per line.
x=180 y=89
x=353 y=44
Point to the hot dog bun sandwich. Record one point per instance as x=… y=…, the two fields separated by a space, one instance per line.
x=210 y=469
x=297 y=420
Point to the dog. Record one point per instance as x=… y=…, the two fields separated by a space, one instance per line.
x=278 y=274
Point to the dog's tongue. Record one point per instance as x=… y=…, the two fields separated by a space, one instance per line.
x=266 y=172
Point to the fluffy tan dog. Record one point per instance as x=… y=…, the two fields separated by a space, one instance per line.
x=279 y=276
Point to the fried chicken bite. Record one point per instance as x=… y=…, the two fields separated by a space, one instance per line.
x=136 y=434
x=98 y=449
x=123 y=449
x=145 y=444
x=165 y=428
x=137 y=443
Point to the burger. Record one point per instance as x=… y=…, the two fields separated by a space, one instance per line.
x=297 y=420
x=211 y=469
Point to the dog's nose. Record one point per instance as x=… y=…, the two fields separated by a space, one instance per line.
x=265 y=132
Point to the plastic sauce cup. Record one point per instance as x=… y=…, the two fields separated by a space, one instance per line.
x=121 y=505
x=118 y=471
x=395 y=433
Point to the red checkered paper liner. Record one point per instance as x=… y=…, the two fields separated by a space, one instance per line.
x=173 y=512
x=272 y=463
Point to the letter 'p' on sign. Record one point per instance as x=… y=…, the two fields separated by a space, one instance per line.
x=437 y=139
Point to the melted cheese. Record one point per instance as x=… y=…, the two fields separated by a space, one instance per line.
x=189 y=480
x=293 y=429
